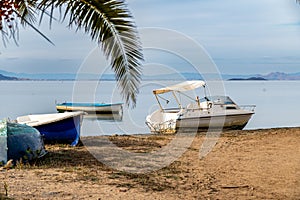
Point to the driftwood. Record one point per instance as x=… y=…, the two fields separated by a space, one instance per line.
x=235 y=186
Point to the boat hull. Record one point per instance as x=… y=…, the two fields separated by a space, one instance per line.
x=224 y=122
x=91 y=108
x=64 y=131
x=162 y=122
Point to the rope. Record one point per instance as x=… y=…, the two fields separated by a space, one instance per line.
x=167 y=101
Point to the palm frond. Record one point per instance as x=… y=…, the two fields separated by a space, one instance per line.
x=26 y=11
x=107 y=22
x=21 y=11
x=110 y=24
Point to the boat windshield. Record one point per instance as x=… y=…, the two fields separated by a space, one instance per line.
x=219 y=100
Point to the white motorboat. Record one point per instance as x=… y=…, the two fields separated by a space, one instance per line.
x=214 y=112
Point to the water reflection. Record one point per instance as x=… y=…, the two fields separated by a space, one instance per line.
x=103 y=117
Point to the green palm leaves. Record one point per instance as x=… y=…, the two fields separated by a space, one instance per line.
x=109 y=23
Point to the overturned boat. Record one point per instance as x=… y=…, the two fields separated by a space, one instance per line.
x=19 y=142
x=214 y=112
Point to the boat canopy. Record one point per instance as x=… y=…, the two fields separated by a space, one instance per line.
x=181 y=87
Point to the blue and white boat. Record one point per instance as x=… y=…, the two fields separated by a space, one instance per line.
x=56 y=127
x=99 y=108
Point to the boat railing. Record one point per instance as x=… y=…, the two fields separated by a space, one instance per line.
x=166 y=127
x=171 y=110
x=248 y=107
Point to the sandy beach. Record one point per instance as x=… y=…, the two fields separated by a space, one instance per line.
x=249 y=164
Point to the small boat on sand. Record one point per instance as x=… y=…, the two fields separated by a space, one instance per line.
x=19 y=142
x=215 y=112
x=56 y=127
x=98 y=108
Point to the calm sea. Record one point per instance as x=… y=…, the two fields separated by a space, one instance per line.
x=277 y=102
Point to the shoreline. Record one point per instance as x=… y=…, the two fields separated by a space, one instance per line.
x=244 y=131
x=247 y=164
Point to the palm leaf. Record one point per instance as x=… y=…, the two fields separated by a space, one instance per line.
x=110 y=24
x=25 y=12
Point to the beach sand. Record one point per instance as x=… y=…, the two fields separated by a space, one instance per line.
x=249 y=164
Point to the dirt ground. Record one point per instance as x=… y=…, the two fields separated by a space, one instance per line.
x=251 y=164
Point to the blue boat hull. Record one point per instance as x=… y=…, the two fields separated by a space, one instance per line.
x=64 y=131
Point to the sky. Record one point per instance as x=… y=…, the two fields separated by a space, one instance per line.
x=241 y=37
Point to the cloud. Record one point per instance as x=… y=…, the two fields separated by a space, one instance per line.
x=230 y=30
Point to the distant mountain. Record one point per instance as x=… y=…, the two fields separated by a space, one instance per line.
x=248 y=79
x=175 y=76
x=282 y=76
x=7 y=78
x=57 y=76
x=239 y=76
x=270 y=76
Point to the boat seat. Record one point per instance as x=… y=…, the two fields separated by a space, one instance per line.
x=203 y=106
x=192 y=106
x=23 y=119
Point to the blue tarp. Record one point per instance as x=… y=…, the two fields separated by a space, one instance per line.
x=20 y=142
x=3 y=143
